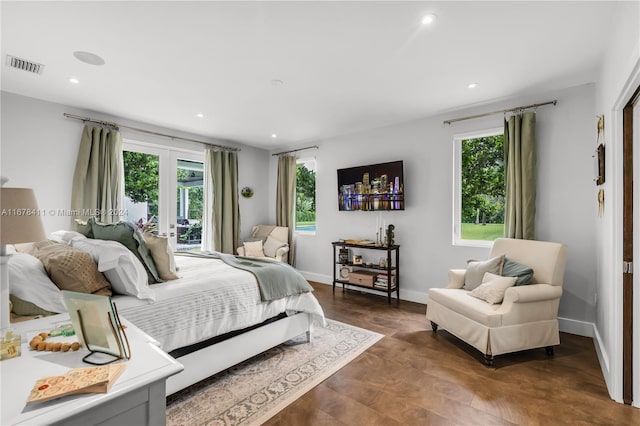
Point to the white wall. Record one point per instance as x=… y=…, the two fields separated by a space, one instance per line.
x=619 y=75
x=39 y=147
x=566 y=208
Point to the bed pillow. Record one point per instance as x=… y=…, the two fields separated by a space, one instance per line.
x=162 y=256
x=253 y=249
x=70 y=269
x=85 y=227
x=129 y=236
x=493 y=288
x=123 y=270
x=65 y=237
x=29 y=282
x=27 y=309
x=523 y=273
x=476 y=270
x=271 y=246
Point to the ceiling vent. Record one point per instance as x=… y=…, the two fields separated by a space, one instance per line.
x=25 y=65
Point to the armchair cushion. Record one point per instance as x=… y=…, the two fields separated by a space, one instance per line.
x=493 y=288
x=271 y=246
x=253 y=249
x=476 y=270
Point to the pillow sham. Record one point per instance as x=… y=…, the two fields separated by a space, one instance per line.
x=85 y=227
x=65 y=237
x=523 y=273
x=493 y=288
x=29 y=282
x=121 y=268
x=70 y=269
x=271 y=246
x=253 y=249
x=129 y=236
x=476 y=270
x=162 y=256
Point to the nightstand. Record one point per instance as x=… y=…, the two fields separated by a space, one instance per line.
x=136 y=398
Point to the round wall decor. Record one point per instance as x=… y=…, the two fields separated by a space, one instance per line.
x=246 y=192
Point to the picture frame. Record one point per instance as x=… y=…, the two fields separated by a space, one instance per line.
x=357 y=259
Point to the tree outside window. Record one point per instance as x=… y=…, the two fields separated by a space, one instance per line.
x=306 y=196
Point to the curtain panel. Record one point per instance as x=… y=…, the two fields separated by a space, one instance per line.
x=520 y=176
x=221 y=218
x=98 y=180
x=286 y=198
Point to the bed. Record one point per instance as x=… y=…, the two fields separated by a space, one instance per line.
x=210 y=317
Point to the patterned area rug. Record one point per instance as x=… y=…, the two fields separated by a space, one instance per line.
x=255 y=390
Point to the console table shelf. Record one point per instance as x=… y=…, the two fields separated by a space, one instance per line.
x=391 y=270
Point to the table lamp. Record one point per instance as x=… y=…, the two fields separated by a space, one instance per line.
x=20 y=222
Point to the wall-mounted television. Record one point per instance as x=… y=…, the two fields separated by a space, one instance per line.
x=371 y=188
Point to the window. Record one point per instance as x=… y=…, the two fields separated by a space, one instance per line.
x=479 y=187
x=306 y=196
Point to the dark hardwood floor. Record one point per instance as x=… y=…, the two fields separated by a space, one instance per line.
x=416 y=377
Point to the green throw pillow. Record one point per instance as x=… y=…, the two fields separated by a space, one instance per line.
x=523 y=273
x=85 y=228
x=129 y=236
x=24 y=308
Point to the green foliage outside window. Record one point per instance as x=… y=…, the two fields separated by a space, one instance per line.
x=482 y=181
x=141 y=179
x=305 y=195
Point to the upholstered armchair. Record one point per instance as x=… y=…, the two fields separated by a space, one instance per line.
x=267 y=241
x=526 y=317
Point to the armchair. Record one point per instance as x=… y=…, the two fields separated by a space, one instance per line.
x=527 y=318
x=279 y=241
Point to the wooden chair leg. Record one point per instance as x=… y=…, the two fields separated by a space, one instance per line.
x=488 y=360
x=549 y=350
x=434 y=327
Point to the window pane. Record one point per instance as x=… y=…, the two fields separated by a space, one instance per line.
x=306 y=196
x=189 y=205
x=141 y=188
x=482 y=188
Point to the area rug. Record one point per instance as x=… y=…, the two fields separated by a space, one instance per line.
x=255 y=390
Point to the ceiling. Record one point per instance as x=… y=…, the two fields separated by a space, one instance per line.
x=301 y=70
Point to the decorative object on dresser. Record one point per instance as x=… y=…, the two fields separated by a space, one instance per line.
x=19 y=223
x=507 y=303
x=383 y=275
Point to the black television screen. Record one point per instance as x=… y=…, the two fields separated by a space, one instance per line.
x=371 y=188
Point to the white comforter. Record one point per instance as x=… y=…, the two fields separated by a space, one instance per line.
x=210 y=299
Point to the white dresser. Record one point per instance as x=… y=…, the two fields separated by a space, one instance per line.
x=136 y=398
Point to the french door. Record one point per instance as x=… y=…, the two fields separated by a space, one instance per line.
x=164 y=192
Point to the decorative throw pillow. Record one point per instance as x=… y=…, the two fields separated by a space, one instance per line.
x=253 y=249
x=71 y=269
x=24 y=308
x=476 y=270
x=162 y=256
x=29 y=282
x=493 y=288
x=128 y=235
x=85 y=227
x=271 y=246
x=523 y=273
x=123 y=270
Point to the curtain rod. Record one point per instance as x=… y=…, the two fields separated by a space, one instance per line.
x=150 y=132
x=453 y=120
x=296 y=150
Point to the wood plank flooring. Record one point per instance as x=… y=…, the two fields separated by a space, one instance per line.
x=415 y=377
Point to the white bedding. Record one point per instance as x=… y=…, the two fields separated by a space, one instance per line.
x=210 y=299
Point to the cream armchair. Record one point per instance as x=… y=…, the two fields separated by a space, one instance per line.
x=275 y=241
x=527 y=318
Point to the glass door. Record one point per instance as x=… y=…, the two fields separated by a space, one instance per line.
x=164 y=192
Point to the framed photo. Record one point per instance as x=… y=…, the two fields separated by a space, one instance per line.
x=357 y=259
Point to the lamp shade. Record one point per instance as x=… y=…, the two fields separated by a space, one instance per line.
x=20 y=220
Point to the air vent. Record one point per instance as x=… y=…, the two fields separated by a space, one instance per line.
x=25 y=65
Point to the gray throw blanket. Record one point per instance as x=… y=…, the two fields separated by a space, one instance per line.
x=275 y=279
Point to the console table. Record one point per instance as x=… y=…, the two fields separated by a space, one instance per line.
x=391 y=270
x=136 y=398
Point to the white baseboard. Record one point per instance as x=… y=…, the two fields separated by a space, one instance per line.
x=408 y=295
x=580 y=328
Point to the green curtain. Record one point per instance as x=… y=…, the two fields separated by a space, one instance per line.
x=98 y=180
x=286 y=197
x=221 y=227
x=520 y=176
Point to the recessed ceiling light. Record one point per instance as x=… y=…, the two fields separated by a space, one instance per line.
x=88 y=58
x=273 y=135
x=199 y=115
x=472 y=85
x=73 y=80
x=429 y=19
